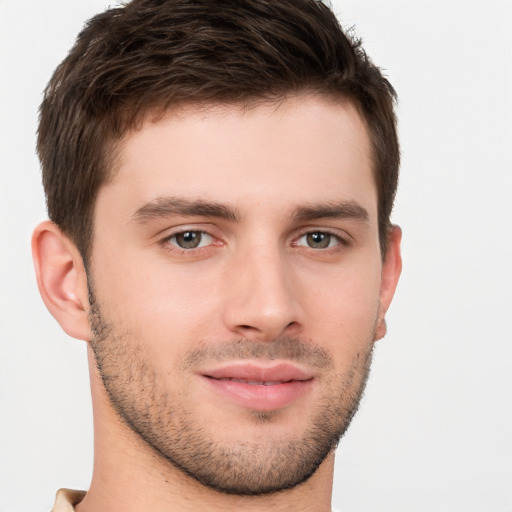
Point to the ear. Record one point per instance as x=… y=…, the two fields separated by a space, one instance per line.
x=391 y=269
x=61 y=279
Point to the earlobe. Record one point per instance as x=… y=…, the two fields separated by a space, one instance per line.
x=61 y=279
x=391 y=269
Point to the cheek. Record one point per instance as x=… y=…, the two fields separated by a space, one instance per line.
x=155 y=300
x=344 y=310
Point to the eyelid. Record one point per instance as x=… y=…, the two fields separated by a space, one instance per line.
x=342 y=236
x=173 y=232
x=205 y=239
x=183 y=228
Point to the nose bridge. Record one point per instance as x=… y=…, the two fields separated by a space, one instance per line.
x=262 y=303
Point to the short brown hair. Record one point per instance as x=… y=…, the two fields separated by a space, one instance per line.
x=154 y=54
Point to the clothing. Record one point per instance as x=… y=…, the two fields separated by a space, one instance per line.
x=67 y=499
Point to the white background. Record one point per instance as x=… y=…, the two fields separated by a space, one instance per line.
x=434 y=432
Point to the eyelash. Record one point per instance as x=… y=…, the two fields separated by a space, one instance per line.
x=341 y=241
x=174 y=248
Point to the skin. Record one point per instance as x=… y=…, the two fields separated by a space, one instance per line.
x=286 y=175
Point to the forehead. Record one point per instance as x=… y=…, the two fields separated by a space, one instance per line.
x=303 y=149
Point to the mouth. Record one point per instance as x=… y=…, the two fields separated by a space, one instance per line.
x=257 y=387
x=254 y=382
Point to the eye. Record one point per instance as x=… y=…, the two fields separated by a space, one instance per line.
x=319 y=240
x=190 y=239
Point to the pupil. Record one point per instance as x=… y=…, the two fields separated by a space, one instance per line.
x=318 y=240
x=188 y=239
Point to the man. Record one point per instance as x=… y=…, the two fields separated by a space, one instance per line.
x=219 y=178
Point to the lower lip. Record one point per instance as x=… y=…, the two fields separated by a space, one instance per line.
x=259 y=397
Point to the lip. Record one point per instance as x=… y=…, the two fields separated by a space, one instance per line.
x=259 y=387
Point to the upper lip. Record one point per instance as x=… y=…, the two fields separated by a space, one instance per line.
x=254 y=372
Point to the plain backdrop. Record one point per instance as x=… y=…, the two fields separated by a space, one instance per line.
x=434 y=432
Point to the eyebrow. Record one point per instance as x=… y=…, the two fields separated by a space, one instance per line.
x=166 y=206
x=162 y=207
x=337 y=210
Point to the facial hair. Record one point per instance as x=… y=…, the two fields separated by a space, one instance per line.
x=164 y=421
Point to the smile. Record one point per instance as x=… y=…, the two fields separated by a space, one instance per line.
x=256 y=382
x=260 y=388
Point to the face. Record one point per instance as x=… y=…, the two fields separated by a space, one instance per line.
x=236 y=288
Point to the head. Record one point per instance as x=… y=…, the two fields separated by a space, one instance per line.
x=225 y=172
x=152 y=56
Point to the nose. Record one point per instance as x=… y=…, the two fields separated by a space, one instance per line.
x=262 y=304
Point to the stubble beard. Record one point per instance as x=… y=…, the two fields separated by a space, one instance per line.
x=243 y=468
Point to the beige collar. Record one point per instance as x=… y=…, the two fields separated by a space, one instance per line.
x=67 y=499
